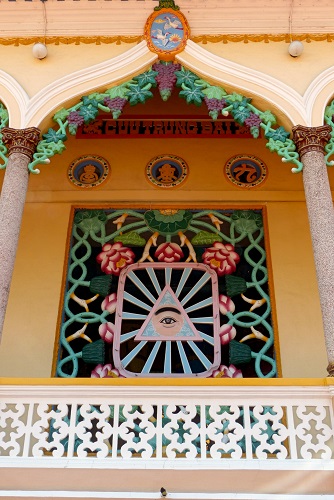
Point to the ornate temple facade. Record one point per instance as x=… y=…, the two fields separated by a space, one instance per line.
x=166 y=243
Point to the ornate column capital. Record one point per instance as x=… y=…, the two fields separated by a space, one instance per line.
x=309 y=139
x=22 y=141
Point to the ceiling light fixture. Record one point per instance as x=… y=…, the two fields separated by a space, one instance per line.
x=296 y=47
x=39 y=50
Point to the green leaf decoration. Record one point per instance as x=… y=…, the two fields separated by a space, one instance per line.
x=213 y=92
x=62 y=114
x=240 y=114
x=185 y=77
x=239 y=354
x=53 y=136
x=90 y=220
x=246 y=221
x=119 y=91
x=268 y=117
x=168 y=224
x=235 y=285
x=101 y=285
x=145 y=78
x=95 y=98
x=131 y=238
x=238 y=98
x=137 y=95
x=90 y=100
x=50 y=148
x=279 y=134
x=167 y=4
x=94 y=353
x=193 y=95
x=88 y=113
x=204 y=238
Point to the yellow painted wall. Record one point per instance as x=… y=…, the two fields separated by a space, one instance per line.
x=270 y=58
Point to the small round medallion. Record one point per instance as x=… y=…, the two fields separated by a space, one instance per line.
x=166 y=33
x=167 y=171
x=246 y=171
x=88 y=171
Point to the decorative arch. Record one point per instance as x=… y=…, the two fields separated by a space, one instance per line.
x=165 y=76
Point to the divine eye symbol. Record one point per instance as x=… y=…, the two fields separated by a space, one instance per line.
x=168 y=321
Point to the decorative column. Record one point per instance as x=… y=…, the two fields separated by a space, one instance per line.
x=310 y=143
x=21 y=145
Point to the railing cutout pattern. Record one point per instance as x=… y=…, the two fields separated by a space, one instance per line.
x=150 y=427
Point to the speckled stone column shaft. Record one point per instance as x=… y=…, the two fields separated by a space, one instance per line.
x=310 y=144
x=21 y=146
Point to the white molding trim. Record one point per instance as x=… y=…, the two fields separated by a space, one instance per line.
x=80 y=82
x=321 y=89
x=19 y=95
x=275 y=93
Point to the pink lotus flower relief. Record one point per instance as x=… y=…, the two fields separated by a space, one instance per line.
x=114 y=258
x=109 y=303
x=226 y=334
x=222 y=258
x=227 y=372
x=107 y=332
x=105 y=371
x=169 y=252
x=226 y=304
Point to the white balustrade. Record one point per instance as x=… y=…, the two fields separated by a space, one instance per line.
x=167 y=423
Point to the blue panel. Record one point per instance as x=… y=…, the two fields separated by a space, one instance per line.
x=168 y=274
x=137 y=302
x=199 y=305
x=168 y=358
x=151 y=358
x=128 y=315
x=196 y=288
x=132 y=354
x=141 y=286
x=127 y=336
x=207 y=338
x=184 y=277
x=184 y=360
x=203 y=359
x=154 y=279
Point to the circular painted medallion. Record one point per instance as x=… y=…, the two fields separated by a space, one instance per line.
x=88 y=171
x=167 y=171
x=246 y=171
x=166 y=33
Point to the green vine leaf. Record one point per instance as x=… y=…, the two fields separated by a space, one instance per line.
x=246 y=221
x=53 y=136
x=240 y=112
x=213 y=92
x=137 y=95
x=237 y=98
x=88 y=113
x=61 y=115
x=268 y=117
x=204 y=238
x=185 y=77
x=279 y=134
x=119 y=91
x=145 y=78
x=131 y=238
x=193 y=95
x=91 y=220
